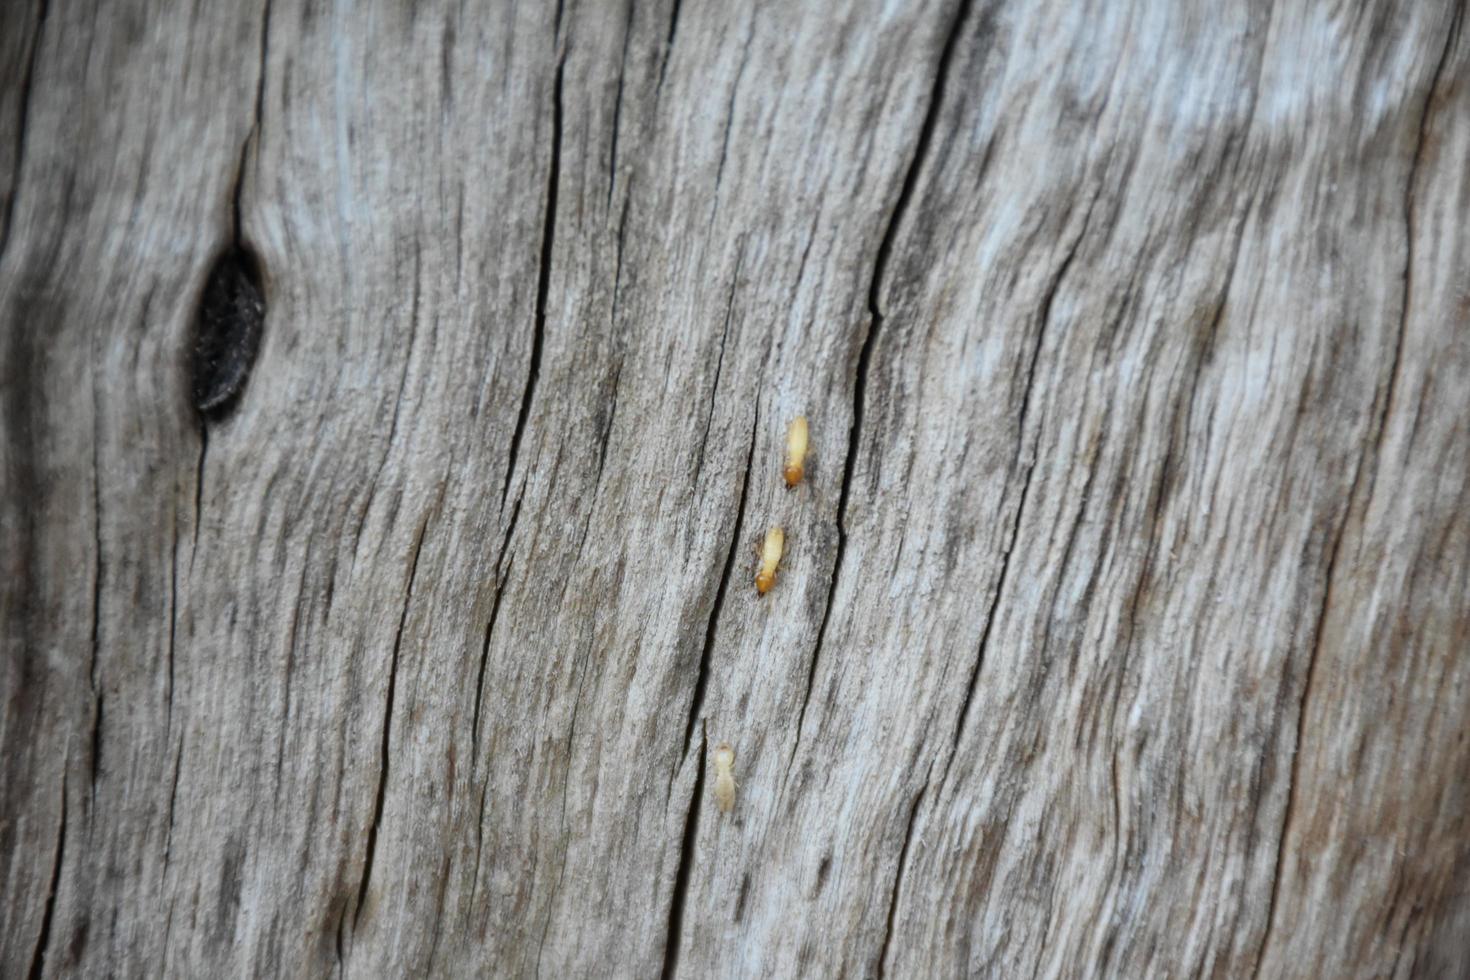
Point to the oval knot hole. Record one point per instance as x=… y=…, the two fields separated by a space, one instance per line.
x=226 y=333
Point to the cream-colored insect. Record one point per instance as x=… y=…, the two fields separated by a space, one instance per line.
x=724 y=760
x=770 y=558
x=796 y=436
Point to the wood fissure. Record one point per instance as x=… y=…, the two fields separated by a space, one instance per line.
x=502 y=575
x=98 y=568
x=875 y=325
x=543 y=280
x=881 y=964
x=1422 y=132
x=43 y=941
x=730 y=117
x=561 y=875
x=1289 y=812
x=1125 y=585
x=7 y=224
x=257 y=124
x=701 y=681
x=680 y=896
x=612 y=155
x=384 y=752
x=199 y=491
x=1042 y=319
x=714 y=395
x=663 y=65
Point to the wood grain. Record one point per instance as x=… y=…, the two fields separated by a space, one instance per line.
x=1123 y=626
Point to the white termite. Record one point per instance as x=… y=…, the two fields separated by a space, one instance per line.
x=724 y=761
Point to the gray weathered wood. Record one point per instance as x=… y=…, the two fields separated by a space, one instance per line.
x=1124 y=622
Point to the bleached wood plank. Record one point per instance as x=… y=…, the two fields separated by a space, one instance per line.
x=1122 y=622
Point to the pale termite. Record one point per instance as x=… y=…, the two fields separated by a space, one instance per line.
x=796 y=436
x=724 y=760
x=770 y=558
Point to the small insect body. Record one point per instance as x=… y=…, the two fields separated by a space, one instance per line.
x=796 y=440
x=770 y=557
x=724 y=760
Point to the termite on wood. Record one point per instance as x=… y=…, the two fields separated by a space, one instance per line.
x=770 y=558
x=724 y=760
x=796 y=436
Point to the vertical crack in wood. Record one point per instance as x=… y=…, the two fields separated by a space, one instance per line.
x=701 y=683
x=415 y=301
x=604 y=438
x=339 y=941
x=97 y=694
x=1311 y=672
x=93 y=371
x=173 y=797
x=1200 y=355
x=903 y=855
x=543 y=278
x=566 y=781
x=255 y=129
x=1293 y=780
x=287 y=669
x=22 y=119
x=686 y=863
x=875 y=325
x=714 y=205
x=168 y=843
x=720 y=367
x=484 y=661
x=199 y=490
x=612 y=157
x=502 y=573
x=1414 y=165
x=414 y=304
x=173 y=623
x=445 y=864
x=252 y=135
x=663 y=66
x=385 y=749
x=43 y=940
x=1043 y=318
x=543 y=288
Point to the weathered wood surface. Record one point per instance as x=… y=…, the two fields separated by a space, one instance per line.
x=1124 y=625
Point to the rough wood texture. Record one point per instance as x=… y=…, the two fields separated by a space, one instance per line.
x=1124 y=621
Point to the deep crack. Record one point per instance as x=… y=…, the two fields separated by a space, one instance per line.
x=384 y=751
x=903 y=855
x=1043 y=318
x=696 y=703
x=681 y=877
x=43 y=941
x=543 y=282
x=865 y=352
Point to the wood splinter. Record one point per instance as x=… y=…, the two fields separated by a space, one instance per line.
x=724 y=760
x=770 y=558
x=796 y=436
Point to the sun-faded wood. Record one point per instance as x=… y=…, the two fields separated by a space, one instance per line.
x=1123 y=622
x=1376 y=835
x=121 y=192
x=1134 y=720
